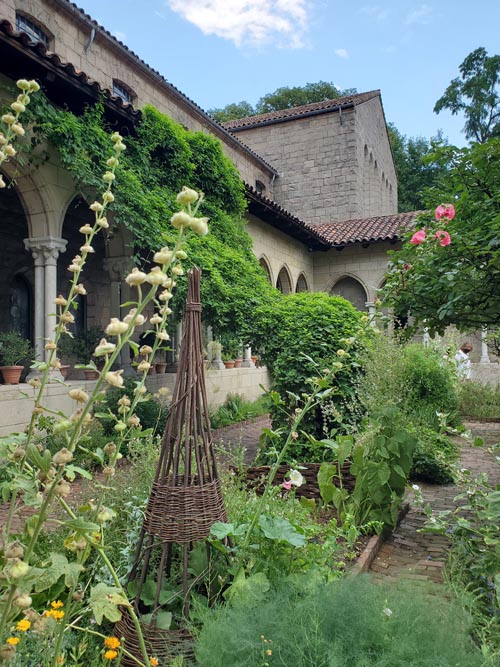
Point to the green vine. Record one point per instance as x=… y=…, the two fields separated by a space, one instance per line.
x=161 y=156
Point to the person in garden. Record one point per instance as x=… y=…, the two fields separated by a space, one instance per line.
x=463 y=361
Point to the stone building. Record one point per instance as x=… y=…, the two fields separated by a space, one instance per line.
x=320 y=179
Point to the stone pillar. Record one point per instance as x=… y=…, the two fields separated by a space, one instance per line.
x=45 y=251
x=485 y=358
x=370 y=305
x=247 y=358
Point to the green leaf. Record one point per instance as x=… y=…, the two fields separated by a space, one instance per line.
x=248 y=590
x=81 y=526
x=163 y=620
x=275 y=528
x=59 y=567
x=70 y=472
x=104 y=601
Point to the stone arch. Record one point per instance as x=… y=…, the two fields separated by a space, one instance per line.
x=351 y=289
x=302 y=284
x=284 y=280
x=265 y=264
x=16 y=268
x=34 y=199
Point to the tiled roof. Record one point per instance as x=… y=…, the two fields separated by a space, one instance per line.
x=366 y=230
x=281 y=219
x=313 y=109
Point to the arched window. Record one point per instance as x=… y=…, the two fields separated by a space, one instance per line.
x=260 y=187
x=123 y=91
x=36 y=31
x=265 y=266
x=284 y=283
x=301 y=284
x=352 y=290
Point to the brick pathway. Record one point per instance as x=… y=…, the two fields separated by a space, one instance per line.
x=421 y=556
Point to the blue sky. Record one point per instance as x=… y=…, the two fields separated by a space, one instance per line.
x=221 y=51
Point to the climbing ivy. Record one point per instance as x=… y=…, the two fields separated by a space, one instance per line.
x=161 y=157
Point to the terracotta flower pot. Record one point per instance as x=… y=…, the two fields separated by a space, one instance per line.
x=65 y=370
x=160 y=368
x=151 y=370
x=90 y=374
x=255 y=359
x=237 y=363
x=11 y=374
x=229 y=364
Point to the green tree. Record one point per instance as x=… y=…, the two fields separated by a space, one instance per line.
x=282 y=98
x=416 y=172
x=457 y=283
x=475 y=94
x=289 y=97
x=232 y=111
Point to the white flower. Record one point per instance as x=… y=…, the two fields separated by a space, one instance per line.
x=104 y=348
x=387 y=612
x=181 y=219
x=102 y=223
x=18 y=129
x=87 y=248
x=96 y=207
x=85 y=229
x=155 y=276
x=164 y=256
x=162 y=335
x=10 y=150
x=143 y=366
x=415 y=487
x=200 y=226
x=296 y=478
x=178 y=270
x=156 y=319
x=116 y=327
x=187 y=196
x=18 y=107
x=108 y=177
x=80 y=289
x=114 y=378
x=8 y=119
x=136 y=277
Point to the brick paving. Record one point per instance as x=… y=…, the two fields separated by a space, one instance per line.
x=421 y=557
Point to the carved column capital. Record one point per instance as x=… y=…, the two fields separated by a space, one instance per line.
x=45 y=249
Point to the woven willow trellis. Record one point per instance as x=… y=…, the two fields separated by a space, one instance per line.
x=185 y=499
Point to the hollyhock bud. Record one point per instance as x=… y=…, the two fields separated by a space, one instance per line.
x=136 y=277
x=108 y=177
x=14 y=550
x=10 y=150
x=78 y=395
x=60 y=301
x=164 y=256
x=116 y=327
x=104 y=348
x=418 y=238
x=114 y=378
x=80 y=289
x=23 y=84
x=18 y=107
x=62 y=457
x=156 y=276
x=156 y=319
x=181 y=219
x=102 y=223
x=108 y=197
x=34 y=87
x=97 y=207
x=86 y=229
x=200 y=226
x=8 y=119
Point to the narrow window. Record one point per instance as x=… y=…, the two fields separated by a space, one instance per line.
x=122 y=91
x=33 y=29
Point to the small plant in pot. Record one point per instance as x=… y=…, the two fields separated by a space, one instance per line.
x=15 y=351
x=230 y=347
x=79 y=347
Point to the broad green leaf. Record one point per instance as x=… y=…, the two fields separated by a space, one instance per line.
x=163 y=620
x=275 y=528
x=249 y=591
x=104 y=601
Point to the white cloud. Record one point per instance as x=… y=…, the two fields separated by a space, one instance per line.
x=248 y=22
x=421 y=14
x=375 y=11
x=341 y=53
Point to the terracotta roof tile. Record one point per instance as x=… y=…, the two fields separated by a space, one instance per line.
x=301 y=111
x=366 y=230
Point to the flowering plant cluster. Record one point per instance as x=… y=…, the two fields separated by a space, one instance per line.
x=443 y=212
x=36 y=477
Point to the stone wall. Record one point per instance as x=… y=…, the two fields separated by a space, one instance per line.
x=281 y=252
x=366 y=265
x=377 y=178
x=317 y=164
x=106 y=61
x=15 y=408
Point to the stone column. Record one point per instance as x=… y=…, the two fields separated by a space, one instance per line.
x=247 y=358
x=45 y=250
x=370 y=305
x=485 y=358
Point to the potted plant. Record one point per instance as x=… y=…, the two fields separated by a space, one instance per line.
x=14 y=349
x=80 y=347
x=228 y=360
x=230 y=347
x=161 y=360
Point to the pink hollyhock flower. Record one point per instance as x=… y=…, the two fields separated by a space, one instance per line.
x=406 y=266
x=418 y=237
x=443 y=237
x=287 y=485
x=445 y=211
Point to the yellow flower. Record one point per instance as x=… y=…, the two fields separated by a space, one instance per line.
x=23 y=625
x=110 y=655
x=153 y=662
x=111 y=642
x=12 y=641
x=269 y=652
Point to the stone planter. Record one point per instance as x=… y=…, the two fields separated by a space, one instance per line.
x=11 y=374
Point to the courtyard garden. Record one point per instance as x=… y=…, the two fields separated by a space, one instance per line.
x=362 y=417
